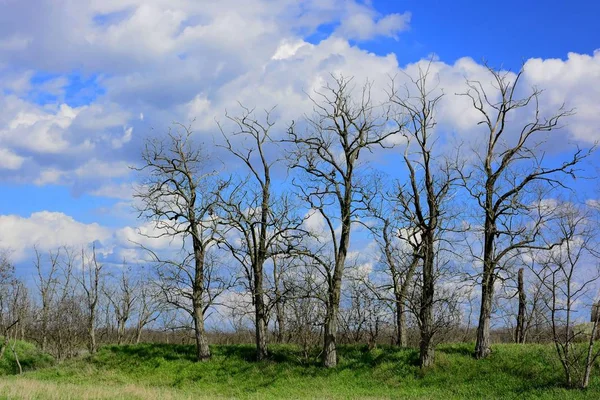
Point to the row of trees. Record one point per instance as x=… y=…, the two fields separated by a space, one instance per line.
x=426 y=238
x=461 y=231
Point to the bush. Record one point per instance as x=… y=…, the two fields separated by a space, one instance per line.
x=29 y=355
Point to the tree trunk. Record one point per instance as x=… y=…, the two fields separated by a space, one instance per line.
x=520 y=330
x=330 y=334
x=202 y=349
x=44 y=329
x=14 y=350
x=426 y=356
x=259 y=313
x=138 y=331
x=400 y=322
x=120 y=332
x=280 y=321
x=482 y=346
x=92 y=333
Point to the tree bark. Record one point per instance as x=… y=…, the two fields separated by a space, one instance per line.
x=426 y=355
x=400 y=322
x=335 y=287
x=202 y=349
x=92 y=332
x=330 y=334
x=520 y=330
x=482 y=345
x=260 y=315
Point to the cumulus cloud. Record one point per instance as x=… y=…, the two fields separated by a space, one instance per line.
x=48 y=230
x=10 y=160
x=364 y=25
x=154 y=62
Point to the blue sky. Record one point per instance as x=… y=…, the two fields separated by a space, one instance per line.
x=82 y=83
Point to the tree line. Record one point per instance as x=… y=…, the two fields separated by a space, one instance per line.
x=485 y=233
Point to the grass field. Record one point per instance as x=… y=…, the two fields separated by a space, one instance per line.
x=151 y=371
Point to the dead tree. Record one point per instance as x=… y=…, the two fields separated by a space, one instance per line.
x=261 y=219
x=570 y=275
x=344 y=124
x=422 y=200
x=148 y=307
x=90 y=281
x=508 y=168
x=47 y=282
x=123 y=298
x=520 y=329
x=397 y=256
x=67 y=317
x=178 y=193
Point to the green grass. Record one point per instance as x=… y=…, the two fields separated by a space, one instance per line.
x=168 y=371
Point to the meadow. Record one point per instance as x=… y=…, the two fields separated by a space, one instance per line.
x=168 y=371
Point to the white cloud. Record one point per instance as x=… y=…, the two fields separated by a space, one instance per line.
x=574 y=82
x=158 y=62
x=48 y=230
x=10 y=160
x=363 y=25
x=123 y=191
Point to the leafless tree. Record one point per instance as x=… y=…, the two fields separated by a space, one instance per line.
x=149 y=306
x=422 y=200
x=262 y=224
x=46 y=283
x=343 y=125
x=510 y=166
x=179 y=193
x=122 y=298
x=570 y=274
x=68 y=316
x=397 y=257
x=90 y=279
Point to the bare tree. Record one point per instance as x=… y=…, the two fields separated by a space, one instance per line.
x=47 y=282
x=67 y=318
x=263 y=220
x=397 y=257
x=148 y=307
x=422 y=200
x=123 y=298
x=91 y=281
x=570 y=274
x=511 y=165
x=179 y=193
x=343 y=125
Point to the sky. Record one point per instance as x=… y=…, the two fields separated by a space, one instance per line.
x=82 y=83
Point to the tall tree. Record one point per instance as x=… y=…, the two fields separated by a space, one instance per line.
x=343 y=125
x=509 y=169
x=46 y=283
x=422 y=200
x=263 y=220
x=178 y=192
x=397 y=256
x=91 y=282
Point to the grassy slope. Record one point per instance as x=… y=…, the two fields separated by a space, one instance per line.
x=168 y=371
